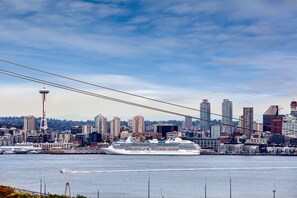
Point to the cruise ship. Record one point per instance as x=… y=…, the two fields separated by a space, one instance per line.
x=172 y=146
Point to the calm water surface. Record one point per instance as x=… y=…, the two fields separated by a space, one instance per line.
x=179 y=177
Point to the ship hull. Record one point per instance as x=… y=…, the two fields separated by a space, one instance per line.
x=112 y=151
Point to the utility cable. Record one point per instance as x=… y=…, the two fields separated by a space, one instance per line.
x=57 y=85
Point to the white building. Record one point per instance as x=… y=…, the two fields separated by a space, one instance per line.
x=101 y=125
x=215 y=131
x=289 y=128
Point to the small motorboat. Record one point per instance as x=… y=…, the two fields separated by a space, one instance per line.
x=65 y=170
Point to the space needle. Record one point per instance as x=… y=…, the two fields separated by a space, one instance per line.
x=43 y=121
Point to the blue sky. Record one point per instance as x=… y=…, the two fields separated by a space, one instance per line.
x=179 y=51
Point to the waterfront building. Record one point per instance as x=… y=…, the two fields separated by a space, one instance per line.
x=289 y=126
x=205 y=115
x=164 y=129
x=101 y=125
x=138 y=124
x=248 y=120
x=215 y=131
x=29 y=123
x=227 y=114
x=273 y=112
x=187 y=123
x=205 y=143
x=115 y=126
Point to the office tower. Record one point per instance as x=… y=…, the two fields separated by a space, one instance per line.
x=138 y=124
x=227 y=115
x=294 y=108
x=43 y=121
x=101 y=125
x=248 y=120
x=188 y=122
x=205 y=115
x=29 y=123
x=273 y=112
x=115 y=126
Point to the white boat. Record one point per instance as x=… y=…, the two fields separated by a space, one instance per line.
x=172 y=146
x=65 y=170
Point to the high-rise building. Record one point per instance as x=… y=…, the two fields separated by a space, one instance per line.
x=115 y=126
x=227 y=114
x=205 y=115
x=138 y=124
x=248 y=120
x=101 y=125
x=188 y=122
x=294 y=108
x=29 y=123
x=273 y=112
x=43 y=121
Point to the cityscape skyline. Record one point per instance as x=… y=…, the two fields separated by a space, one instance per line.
x=216 y=53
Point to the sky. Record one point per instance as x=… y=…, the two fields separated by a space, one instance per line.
x=176 y=51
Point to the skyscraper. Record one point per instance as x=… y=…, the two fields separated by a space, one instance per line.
x=138 y=124
x=205 y=115
x=101 y=125
x=115 y=126
x=29 y=123
x=248 y=120
x=227 y=114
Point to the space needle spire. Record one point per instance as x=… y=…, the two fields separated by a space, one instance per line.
x=43 y=121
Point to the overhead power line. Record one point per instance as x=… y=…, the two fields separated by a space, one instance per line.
x=118 y=91
x=72 y=89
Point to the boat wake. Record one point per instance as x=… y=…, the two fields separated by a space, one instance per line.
x=179 y=169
